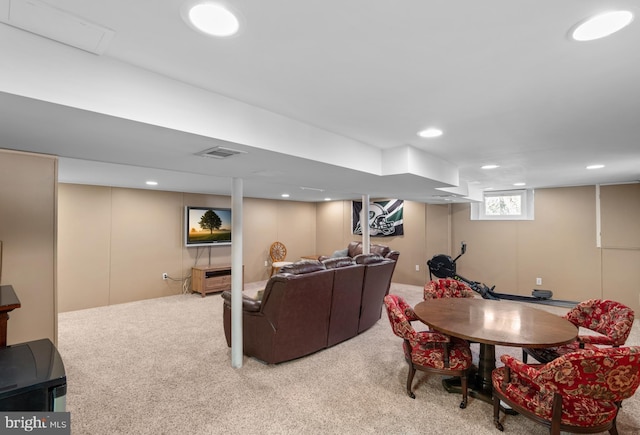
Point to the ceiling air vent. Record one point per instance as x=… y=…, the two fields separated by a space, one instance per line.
x=220 y=152
x=56 y=24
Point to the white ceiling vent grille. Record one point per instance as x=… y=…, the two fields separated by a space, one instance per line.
x=220 y=152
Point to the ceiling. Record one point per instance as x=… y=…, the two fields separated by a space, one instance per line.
x=325 y=98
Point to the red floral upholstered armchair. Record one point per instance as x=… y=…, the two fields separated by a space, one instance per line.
x=447 y=288
x=611 y=320
x=428 y=350
x=579 y=392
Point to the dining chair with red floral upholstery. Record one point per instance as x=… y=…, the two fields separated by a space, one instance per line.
x=579 y=392
x=447 y=288
x=610 y=320
x=428 y=351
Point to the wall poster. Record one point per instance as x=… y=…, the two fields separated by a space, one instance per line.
x=385 y=218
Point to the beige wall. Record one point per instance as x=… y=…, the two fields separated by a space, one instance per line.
x=265 y=221
x=115 y=243
x=620 y=205
x=621 y=243
x=559 y=246
x=28 y=191
x=438 y=232
x=84 y=239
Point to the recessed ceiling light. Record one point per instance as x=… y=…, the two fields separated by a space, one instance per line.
x=327 y=199
x=519 y=184
x=601 y=25
x=490 y=166
x=211 y=18
x=285 y=195
x=430 y=132
x=595 y=166
x=152 y=183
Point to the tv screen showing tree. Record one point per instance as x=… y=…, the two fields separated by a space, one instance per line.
x=207 y=226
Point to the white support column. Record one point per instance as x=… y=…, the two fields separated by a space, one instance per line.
x=236 y=273
x=598 y=219
x=364 y=223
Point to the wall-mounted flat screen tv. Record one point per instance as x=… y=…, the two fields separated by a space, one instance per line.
x=207 y=226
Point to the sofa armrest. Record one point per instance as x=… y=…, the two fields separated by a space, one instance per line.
x=393 y=255
x=248 y=304
x=337 y=262
x=368 y=259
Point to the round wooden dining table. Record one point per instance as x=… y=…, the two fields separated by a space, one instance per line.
x=490 y=323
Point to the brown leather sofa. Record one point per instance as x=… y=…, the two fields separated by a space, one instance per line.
x=355 y=248
x=311 y=305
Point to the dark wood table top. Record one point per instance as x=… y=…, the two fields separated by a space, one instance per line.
x=496 y=322
x=8 y=298
x=8 y=302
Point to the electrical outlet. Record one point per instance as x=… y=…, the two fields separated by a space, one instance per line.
x=266 y=263
x=165 y=275
x=538 y=281
x=417 y=268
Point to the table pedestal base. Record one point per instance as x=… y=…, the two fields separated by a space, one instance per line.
x=452 y=385
x=475 y=390
x=479 y=380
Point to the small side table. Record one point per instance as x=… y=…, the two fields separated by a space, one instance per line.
x=209 y=279
x=8 y=302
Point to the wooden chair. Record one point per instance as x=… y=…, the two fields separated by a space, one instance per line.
x=579 y=392
x=278 y=254
x=611 y=320
x=428 y=351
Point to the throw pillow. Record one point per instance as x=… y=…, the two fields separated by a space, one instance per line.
x=340 y=253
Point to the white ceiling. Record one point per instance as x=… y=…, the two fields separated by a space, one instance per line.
x=334 y=92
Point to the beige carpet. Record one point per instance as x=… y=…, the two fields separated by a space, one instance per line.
x=162 y=366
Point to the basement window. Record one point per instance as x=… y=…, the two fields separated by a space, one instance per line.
x=504 y=205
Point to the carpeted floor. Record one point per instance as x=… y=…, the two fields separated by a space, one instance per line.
x=162 y=366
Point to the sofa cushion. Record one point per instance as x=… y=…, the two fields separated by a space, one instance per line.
x=368 y=258
x=332 y=263
x=355 y=248
x=380 y=250
x=303 y=266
